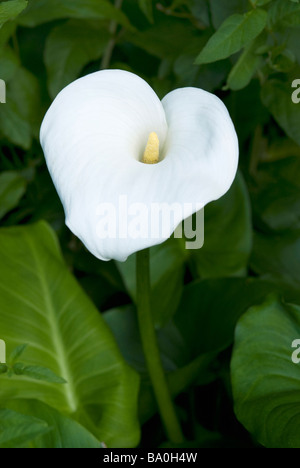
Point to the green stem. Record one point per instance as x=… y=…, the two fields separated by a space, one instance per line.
x=151 y=351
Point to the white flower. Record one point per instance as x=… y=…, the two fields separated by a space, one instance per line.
x=95 y=136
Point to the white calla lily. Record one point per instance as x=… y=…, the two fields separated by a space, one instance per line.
x=95 y=136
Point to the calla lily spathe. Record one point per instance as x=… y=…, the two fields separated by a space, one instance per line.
x=94 y=136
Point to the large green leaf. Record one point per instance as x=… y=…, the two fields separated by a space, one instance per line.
x=236 y=32
x=209 y=311
x=12 y=188
x=227 y=235
x=276 y=96
x=266 y=381
x=9 y=10
x=17 y=429
x=69 y=48
x=62 y=432
x=42 y=305
x=41 y=11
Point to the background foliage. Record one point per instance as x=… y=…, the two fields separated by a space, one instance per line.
x=76 y=377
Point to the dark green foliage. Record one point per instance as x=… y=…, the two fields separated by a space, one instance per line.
x=74 y=379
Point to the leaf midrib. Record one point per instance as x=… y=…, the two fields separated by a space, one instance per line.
x=62 y=359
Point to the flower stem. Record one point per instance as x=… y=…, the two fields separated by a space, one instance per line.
x=151 y=351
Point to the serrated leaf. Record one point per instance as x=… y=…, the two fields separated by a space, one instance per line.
x=265 y=380
x=16 y=353
x=236 y=32
x=37 y=373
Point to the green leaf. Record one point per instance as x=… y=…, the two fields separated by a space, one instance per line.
x=16 y=353
x=42 y=11
x=265 y=380
x=6 y=31
x=167 y=271
x=12 y=189
x=228 y=235
x=9 y=10
x=236 y=32
x=216 y=301
x=65 y=432
x=276 y=96
x=275 y=193
x=190 y=343
x=41 y=304
x=147 y=8
x=20 y=117
x=9 y=63
x=69 y=48
x=285 y=14
x=16 y=429
x=244 y=69
x=37 y=373
x=277 y=256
